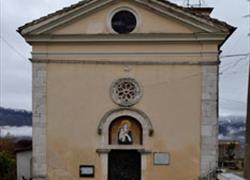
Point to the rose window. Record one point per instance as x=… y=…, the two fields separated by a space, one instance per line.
x=126 y=92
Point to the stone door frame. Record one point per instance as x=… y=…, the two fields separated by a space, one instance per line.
x=104 y=146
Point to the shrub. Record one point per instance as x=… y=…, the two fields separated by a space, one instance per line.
x=7 y=166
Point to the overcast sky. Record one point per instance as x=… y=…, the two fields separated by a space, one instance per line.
x=15 y=69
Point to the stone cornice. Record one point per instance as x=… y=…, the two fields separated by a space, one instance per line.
x=174 y=38
x=41 y=54
x=108 y=62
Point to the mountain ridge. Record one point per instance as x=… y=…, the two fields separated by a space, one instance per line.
x=230 y=127
x=14 y=117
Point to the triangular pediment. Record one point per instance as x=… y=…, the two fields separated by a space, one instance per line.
x=93 y=16
x=147 y=22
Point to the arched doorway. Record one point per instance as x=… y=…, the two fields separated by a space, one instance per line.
x=133 y=155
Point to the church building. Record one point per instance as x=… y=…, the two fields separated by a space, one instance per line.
x=125 y=90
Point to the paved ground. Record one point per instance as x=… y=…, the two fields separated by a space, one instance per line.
x=229 y=176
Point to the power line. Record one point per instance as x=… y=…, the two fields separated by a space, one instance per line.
x=226 y=74
x=236 y=42
x=232 y=65
x=234 y=55
x=13 y=48
x=229 y=63
x=233 y=100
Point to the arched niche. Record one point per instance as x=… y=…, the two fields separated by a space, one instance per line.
x=125 y=130
x=111 y=116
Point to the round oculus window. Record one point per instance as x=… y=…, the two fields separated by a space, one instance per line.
x=123 y=22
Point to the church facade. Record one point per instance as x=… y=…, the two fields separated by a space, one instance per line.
x=125 y=90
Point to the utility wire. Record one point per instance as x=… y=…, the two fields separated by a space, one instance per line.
x=232 y=61
x=233 y=65
x=233 y=100
x=235 y=46
x=13 y=48
x=227 y=73
x=234 y=55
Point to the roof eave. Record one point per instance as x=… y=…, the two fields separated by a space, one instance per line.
x=231 y=31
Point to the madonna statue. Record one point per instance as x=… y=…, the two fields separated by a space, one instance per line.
x=124 y=133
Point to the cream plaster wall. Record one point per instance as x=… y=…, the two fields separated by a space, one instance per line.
x=78 y=97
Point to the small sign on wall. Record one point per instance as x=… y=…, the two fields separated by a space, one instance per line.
x=87 y=171
x=161 y=158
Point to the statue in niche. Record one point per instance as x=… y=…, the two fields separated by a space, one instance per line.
x=124 y=133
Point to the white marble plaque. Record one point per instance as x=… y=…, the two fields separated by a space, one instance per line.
x=161 y=159
x=87 y=171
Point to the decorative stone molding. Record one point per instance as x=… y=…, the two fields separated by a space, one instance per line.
x=39 y=159
x=209 y=122
x=113 y=62
x=140 y=116
x=150 y=37
x=126 y=92
x=106 y=151
x=38 y=54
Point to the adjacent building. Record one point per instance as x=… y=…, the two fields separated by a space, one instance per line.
x=23 y=161
x=23 y=152
x=231 y=154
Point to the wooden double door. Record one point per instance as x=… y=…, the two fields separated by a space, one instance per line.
x=124 y=165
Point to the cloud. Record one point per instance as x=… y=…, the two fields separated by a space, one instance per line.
x=16 y=131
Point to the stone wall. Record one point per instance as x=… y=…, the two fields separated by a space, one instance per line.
x=209 y=124
x=39 y=163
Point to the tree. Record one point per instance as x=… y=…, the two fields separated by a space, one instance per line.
x=7 y=158
x=7 y=144
x=7 y=163
x=230 y=151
